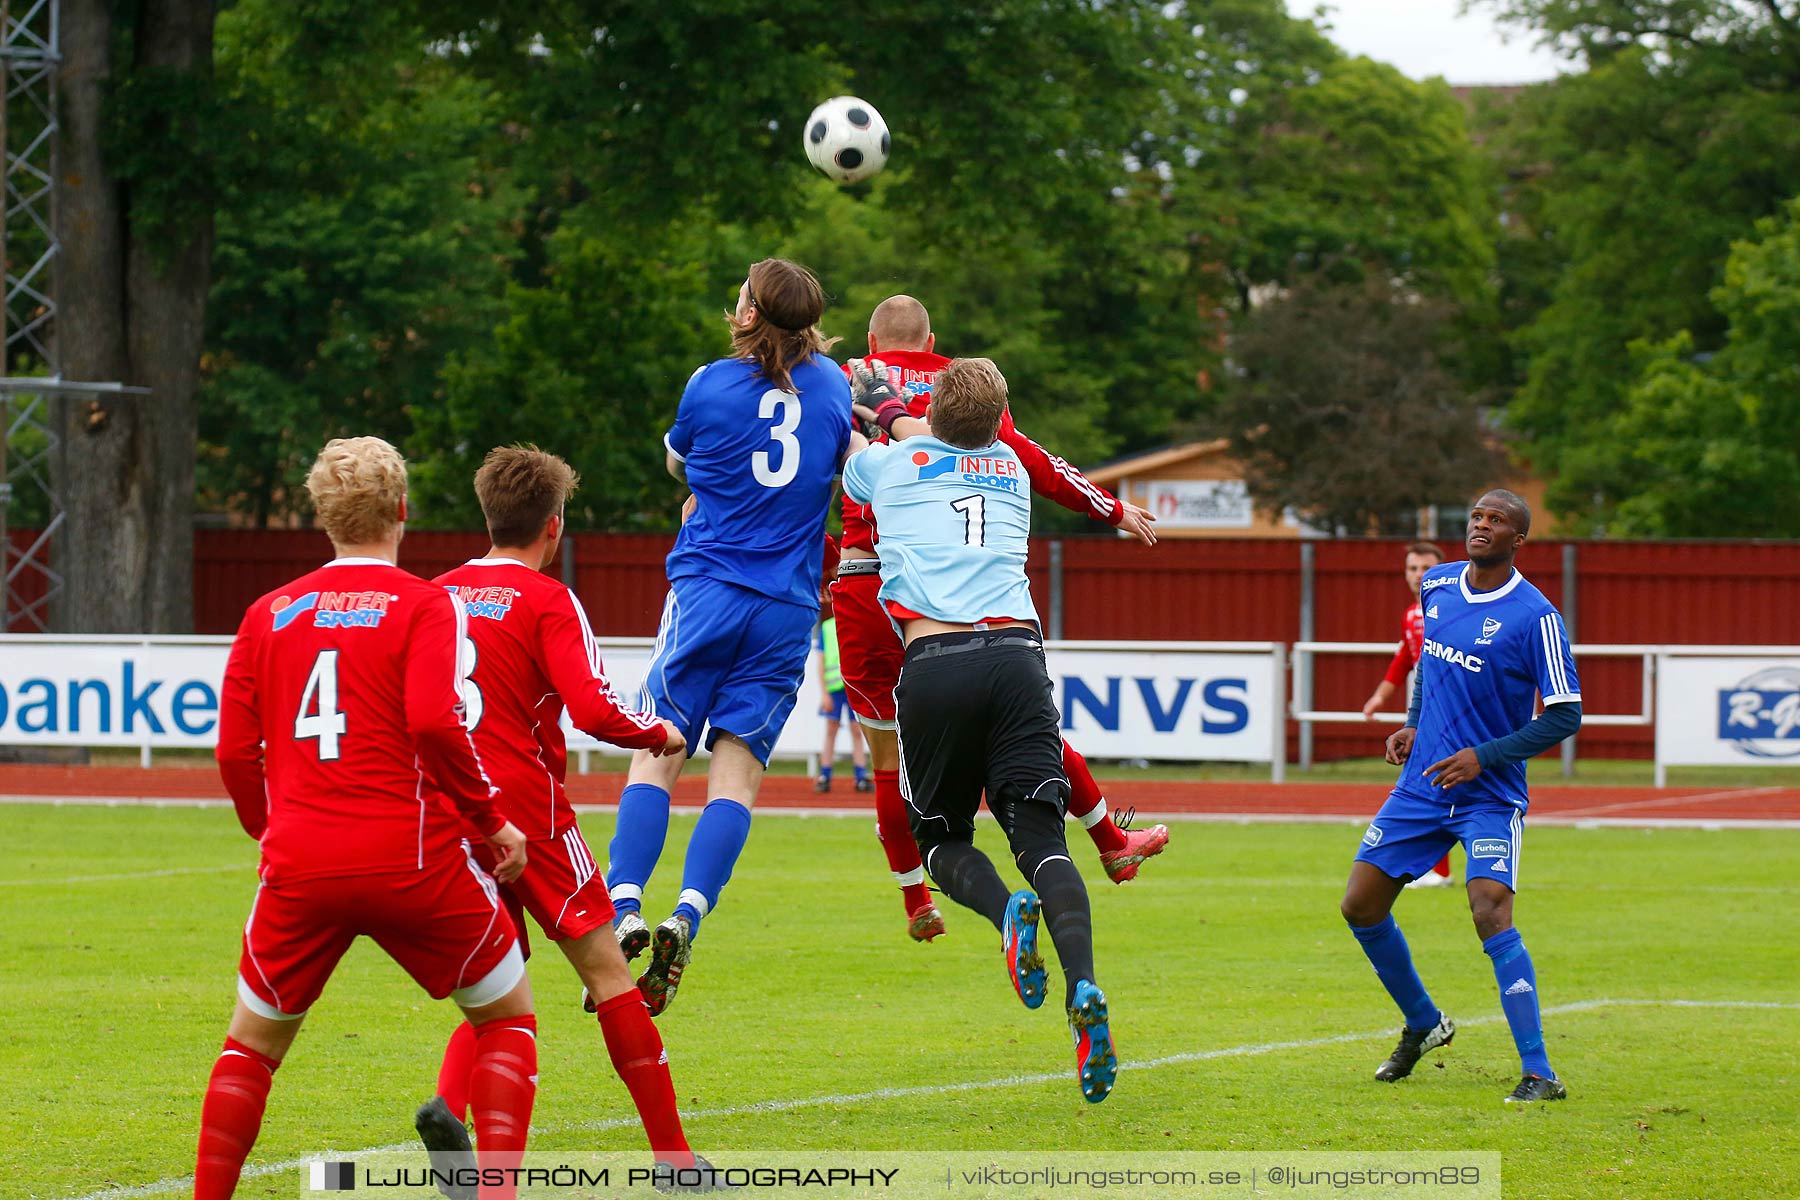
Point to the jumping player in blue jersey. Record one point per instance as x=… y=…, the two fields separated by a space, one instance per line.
x=759 y=437
x=976 y=709
x=1493 y=645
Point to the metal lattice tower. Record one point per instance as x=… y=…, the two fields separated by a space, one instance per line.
x=29 y=247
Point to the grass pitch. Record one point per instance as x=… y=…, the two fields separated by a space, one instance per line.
x=1246 y=1017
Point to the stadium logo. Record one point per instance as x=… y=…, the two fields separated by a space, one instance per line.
x=1440 y=581
x=286 y=609
x=1761 y=715
x=333 y=1177
x=1223 y=708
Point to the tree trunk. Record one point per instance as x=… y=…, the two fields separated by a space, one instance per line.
x=133 y=310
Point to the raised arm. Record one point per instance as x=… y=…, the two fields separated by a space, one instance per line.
x=1055 y=479
x=571 y=659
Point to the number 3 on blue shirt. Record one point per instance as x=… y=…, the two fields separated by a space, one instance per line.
x=762 y=462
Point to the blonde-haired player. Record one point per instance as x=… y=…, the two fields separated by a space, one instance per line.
x=340 y=727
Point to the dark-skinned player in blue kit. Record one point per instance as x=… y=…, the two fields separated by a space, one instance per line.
x=1493 y=645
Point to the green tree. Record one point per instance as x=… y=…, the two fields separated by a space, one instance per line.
x=1005 y=209
x=1084 y=192
x=361 y=243
x=1365 y=424
x=1349 y=159
x=588 y=364
x=1709 y=446
x=1631 y=180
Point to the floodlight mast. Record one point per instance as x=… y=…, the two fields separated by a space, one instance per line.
x=30 y=60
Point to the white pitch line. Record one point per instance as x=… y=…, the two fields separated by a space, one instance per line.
x=249 y=868
x=1571 y=819
x=1668 y=801
x=941 y=1089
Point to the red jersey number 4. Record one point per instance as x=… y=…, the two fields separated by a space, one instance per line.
x=319 y=716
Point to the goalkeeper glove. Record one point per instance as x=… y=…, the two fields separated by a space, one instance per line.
x=870 y=388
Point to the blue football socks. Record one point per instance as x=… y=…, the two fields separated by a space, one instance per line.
x=1388 y=954
x=1519 y=1000
x=637 y=843
x=712 y=852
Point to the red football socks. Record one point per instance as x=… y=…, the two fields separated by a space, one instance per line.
x=895 y=830
x=459 y=1065
x=231 y=1117
x=643 y=1064
x=502 y=1088
x=1085 y=799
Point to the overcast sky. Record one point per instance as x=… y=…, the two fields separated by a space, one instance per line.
x=1427 y=37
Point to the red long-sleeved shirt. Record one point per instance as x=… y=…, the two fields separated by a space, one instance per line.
x=913 y=372
x=340 y=725
x=533 y=654
x=1412 y=642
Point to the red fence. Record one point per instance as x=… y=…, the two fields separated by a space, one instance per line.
x=1672 y=593
x=25 y=611
x=1225 y=590
x=618 y=576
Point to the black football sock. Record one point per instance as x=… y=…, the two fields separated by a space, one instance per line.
x=1058 y=885
x=965 y=874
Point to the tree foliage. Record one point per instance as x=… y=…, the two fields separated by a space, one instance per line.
x=1704 y=445
x=364 y=245
x=464 y=226
x=1346 y=410
x=1631 y=181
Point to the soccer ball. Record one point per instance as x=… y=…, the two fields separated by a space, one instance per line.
x=846 y=139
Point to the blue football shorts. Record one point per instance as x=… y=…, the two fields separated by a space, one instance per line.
x=1409 y=835
x=727 y=660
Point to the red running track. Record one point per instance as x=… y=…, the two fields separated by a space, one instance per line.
x=1277 y=801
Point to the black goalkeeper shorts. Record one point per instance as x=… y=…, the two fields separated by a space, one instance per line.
x=977 y=713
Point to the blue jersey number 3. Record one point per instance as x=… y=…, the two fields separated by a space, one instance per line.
x=762 y=463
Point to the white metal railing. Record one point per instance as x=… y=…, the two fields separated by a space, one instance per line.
x=1301 y=710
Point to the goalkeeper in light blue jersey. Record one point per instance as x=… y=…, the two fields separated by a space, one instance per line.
x=977 y=713
x=1493 y=645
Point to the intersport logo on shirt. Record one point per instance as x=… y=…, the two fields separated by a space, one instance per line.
x=980 y=470
x=492 y=603
x=332 y=610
